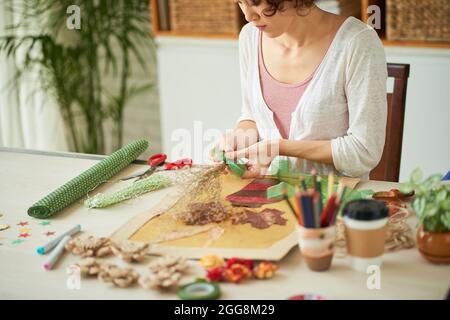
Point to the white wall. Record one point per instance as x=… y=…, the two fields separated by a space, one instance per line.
x=199 y=81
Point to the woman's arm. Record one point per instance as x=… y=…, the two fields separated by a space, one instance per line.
x=319 y=151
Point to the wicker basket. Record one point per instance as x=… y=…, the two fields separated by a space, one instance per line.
x=423 y=20
x=205 y=16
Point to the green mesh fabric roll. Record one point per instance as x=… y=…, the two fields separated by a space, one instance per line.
x=152 y=183
x=79 y=186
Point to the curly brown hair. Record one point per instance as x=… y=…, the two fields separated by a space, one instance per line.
x=278 y=5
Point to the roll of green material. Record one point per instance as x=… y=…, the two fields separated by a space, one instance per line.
x=152 y=183
x=79 y=186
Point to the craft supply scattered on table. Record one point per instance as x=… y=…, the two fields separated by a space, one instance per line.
x=260 y=220
x=254 y=194
x=131 y=251
x=235 y=270
x=24 y=235
x=4 y=226
x=56 y=253
x=307 y=296
x=205 y=213
x=52 y=243
x=265 y=270
x=210 y=262
x=394 y=199
x=17 y=241
x=90 y=246
x=119 y=277
x=87 y=181
x=151 y=183
x=199 y=290
x=165 y=272
x=154 y=162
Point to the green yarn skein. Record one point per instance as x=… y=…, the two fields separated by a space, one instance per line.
x=102 y=200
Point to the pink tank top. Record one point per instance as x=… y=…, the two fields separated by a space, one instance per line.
x=281 y=98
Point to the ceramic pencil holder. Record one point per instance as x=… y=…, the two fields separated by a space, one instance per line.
x=317 y=246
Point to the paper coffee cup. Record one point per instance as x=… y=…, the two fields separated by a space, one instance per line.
x=365 y=230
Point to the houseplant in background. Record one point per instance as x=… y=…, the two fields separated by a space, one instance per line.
x=73 y=65
x=432 y=206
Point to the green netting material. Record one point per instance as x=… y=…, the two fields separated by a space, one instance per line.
x=79 y=186
x=102 y=200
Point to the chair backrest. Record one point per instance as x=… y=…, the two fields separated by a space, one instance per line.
x=389 y=167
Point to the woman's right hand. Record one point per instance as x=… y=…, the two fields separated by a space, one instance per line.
x=243 y=136
x=227 y=143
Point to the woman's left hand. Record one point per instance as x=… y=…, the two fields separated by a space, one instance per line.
x=259 y=155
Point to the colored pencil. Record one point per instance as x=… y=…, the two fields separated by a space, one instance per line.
x=298 y=205
x=303 y=184
x=330 y=183
x=328 y=211
x=319 y=191
x=308 y=217
x=316 y=210
x=291 y=206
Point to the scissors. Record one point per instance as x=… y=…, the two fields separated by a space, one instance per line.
x=154 y=162
x=158 y=160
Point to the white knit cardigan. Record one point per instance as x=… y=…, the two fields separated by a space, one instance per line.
x=345 y=101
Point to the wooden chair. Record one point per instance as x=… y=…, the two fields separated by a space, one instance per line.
x=389 y=167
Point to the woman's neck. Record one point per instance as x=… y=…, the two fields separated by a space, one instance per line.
x=307 y=27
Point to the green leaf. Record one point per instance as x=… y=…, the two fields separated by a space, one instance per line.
x=406 y=187
x=431 y=209
x=432 y=181
x=416 y=176
x=445 y=219
x=419 y=206
x=441 y=195
x=445 y=205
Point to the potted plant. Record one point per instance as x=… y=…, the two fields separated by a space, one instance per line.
x=76 y=66
x=432 y=206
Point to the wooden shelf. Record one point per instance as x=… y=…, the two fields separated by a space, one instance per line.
x=195 y=35
x=382 y=33
x=364 y=5
x=416 y=44
x=157 y=32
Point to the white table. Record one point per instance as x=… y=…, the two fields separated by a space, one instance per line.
x=25 y=178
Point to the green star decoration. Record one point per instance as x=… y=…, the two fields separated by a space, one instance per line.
x=44 y=223
x=17 y=241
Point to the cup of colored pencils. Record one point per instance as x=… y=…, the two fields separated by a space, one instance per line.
x=317 y=220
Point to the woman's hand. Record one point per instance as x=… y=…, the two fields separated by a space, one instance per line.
x=259 y=155
x=243 y=136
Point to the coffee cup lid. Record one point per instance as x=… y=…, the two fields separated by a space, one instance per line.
x=366 y=210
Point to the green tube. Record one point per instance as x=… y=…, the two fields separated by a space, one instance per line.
x=79 y=186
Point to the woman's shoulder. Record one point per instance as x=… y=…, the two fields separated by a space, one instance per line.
x=248 y=32
x=357 y=33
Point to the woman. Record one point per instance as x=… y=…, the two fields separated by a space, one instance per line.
x=313 y=88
